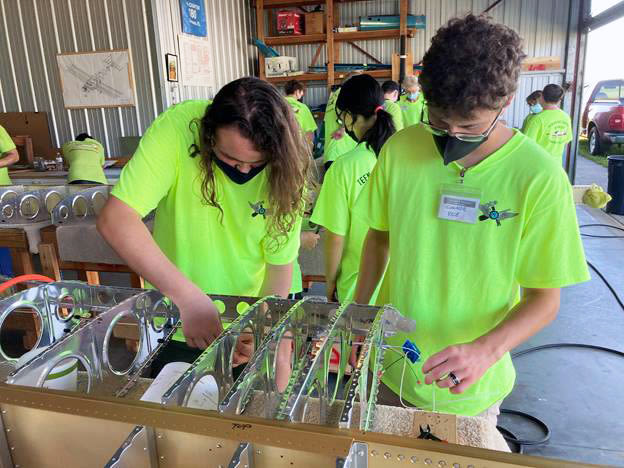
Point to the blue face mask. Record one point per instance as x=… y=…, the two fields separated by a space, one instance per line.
x=413 y=96
x=536 y=108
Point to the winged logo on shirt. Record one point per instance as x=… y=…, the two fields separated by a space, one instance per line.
x=490 y=212
x=258 y=209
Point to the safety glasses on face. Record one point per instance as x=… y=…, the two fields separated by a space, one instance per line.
x=468 y=137
x=340 y=117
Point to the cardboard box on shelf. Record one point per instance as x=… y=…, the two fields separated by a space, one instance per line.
x=315 y=22
x=541 y=63
x=289 y=23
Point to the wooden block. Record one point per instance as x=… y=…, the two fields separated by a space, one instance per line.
x=314 y=22
x=443 y=426
x=89 y=276
x=136 y=281
x=13 y=238
x=396 y=66
x=25 y=149
x=126 y=330
x=49 y=261
x=22 y=262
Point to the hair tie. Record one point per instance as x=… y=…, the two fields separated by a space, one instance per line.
x=378 y=108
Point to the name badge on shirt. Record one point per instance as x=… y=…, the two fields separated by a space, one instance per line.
x=459 y=203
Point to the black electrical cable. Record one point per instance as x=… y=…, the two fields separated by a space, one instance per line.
x=602 y=237
x=567 y=345
x=610 y=226
x=542 y=425
x=508 y=435
x=601 y=225
x=511 y=437
x=617 y=298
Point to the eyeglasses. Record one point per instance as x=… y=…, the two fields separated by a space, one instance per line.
x=468 y=137
x=340 y=117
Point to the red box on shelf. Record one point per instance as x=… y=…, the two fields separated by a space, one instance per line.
x=289 y=23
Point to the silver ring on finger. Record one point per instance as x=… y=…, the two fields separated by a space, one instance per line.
x=454 y=379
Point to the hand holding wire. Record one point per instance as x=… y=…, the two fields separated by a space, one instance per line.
x=457 y=367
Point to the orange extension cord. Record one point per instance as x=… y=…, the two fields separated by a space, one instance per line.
x=23 y=279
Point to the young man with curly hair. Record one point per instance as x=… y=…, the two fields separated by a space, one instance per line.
x=478 y=224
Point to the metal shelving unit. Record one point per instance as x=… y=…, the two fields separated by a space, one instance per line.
x=330 y=38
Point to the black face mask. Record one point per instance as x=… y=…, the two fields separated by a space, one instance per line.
x=235 y=175
x=451 y=148
x=351 y=133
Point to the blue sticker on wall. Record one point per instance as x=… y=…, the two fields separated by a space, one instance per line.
x=193 y=14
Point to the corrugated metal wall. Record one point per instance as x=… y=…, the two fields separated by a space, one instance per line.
x=34 y=31
x=229 y=24
x=542 y=23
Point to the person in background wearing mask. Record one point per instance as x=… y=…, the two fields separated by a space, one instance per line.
x=228 y=182
x=411 y=103
x=470 y=213
x=337 y=142
x=360 y=110
x=85 y=157
x=551 y=128
x=8 y=156
x=391 y=91
x=533 y=101
x=294 y=95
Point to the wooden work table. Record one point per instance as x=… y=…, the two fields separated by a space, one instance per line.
x=59 y=177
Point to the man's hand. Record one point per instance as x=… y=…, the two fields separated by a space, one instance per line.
x=468 y=362
x=201 y=323
x=244 y=348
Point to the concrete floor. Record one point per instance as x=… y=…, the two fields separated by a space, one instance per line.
x=578 y=392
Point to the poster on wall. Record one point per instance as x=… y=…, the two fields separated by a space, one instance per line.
x=195 y=65
x=193 y=15
x=96 y=79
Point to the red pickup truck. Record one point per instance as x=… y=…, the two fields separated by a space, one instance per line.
x=603 y=118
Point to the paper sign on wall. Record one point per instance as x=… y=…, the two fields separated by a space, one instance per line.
x=96 y=79
x=195 y=62
x=193 y=16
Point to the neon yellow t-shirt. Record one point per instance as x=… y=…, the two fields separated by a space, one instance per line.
x=341 y=187
x=412 y=110
x=551 y=129
x=6 y=145
x=527 y=119
x=222 y=253
x=459 y=280
x=395 y=111
x=86 y=161
x=334 y=148
x=303 y=115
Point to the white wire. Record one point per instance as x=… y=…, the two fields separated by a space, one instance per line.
x=401 y=386
x=434 y=404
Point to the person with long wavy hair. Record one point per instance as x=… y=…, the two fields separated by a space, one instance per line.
x=228 y=181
